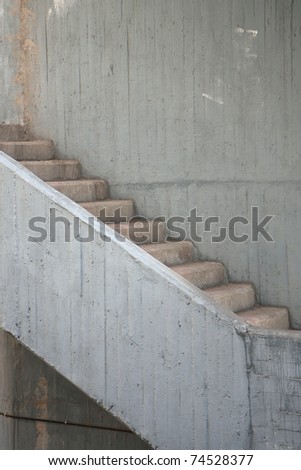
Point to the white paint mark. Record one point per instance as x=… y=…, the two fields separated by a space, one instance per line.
x=251 y=56
x=62 y=7
x=250 y=32
x=239 y=30
x=211 y=98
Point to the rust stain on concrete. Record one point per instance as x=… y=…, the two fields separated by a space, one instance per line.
x=41 y=404
x=25 y=52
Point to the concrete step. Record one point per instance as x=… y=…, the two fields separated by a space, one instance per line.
x=111 y=210
x=236 y=297
x=11 y=132
x=267 y=317
x=202 y=274
x=39 y=150
x=83 y=190
x=53 y=170
x=172 y=253
x=142 y=232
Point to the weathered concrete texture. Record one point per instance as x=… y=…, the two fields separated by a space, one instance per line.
x=267 y=317
x=275 y=390
x=274 y=268
x=142 y=231
x=19 y=434
x=202 y=275
x=40 y=409
x=11 y=103
x=157 y=353
x=85 y=190
x=121 y=326
x=172 y=253
x=114 y=209
x=55 y=169
x=36 y=150
x=236 y=297
x=183 y=104
x=13 y=132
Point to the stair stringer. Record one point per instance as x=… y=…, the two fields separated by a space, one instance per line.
x=149 y=347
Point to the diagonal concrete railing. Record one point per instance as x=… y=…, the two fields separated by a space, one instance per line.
x=137 y=338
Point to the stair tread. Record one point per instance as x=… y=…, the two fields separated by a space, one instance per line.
x=79 y=181
x=137 y=221
x=26 y=142
x=53 y=162
x=267 y=317
x=108 y=201
x=170 y=244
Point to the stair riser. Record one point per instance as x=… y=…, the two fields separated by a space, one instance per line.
x=210 y=277
x=271 y=324
x=267 y=317
x=28 y=151
x=153 y=233
x=170 y=254
x=11 y=132
x=241 y=300
x=83 y=191
x=59 y=171
x=111 y=211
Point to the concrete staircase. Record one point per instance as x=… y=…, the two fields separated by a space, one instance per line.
x=65 y=176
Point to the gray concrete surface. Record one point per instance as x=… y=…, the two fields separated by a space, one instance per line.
x=182 y=104
x=40 y=409
x=11 y=99
x=20 y=434
x=122 y=327
x=159 y=354
x=275 y=389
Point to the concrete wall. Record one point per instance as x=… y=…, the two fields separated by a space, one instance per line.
x=183 y=104
x=121 y=326
x=275 y=389
x=178 y=369
x=40 y=409
x=11 y=98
